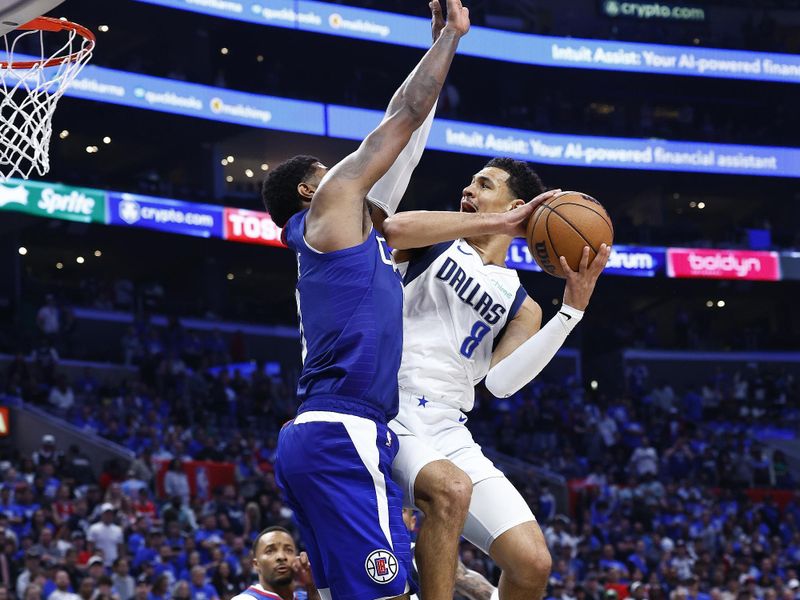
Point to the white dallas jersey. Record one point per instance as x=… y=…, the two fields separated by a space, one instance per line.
x=454 y=308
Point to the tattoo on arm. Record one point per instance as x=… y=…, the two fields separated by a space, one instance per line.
x=472 y=585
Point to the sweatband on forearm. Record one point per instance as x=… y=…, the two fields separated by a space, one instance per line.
x=389 y=189
x=526 y=362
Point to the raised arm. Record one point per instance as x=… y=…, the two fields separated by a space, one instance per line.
x=335 y=219
x=387 y=193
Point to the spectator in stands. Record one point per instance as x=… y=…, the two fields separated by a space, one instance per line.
x=32 y=571
x=47 y=452
x=122 y=582
x=32 y=591
x=224 y=581
x=62 y=398
x=63 y=588
x=143 y=587
x=47 y=319
x=182 y=591
x=200 y=588
x=142 y=467
x=176 y=482
x=644 y=460
x=106 y=535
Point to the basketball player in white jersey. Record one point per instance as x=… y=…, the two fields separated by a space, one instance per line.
x=466 y=318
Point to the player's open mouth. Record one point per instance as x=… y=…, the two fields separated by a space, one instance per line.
x=468 y=207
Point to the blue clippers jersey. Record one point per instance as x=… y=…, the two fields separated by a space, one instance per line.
x=350 y=305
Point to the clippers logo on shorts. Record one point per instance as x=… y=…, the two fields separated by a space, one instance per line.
x=381 y=566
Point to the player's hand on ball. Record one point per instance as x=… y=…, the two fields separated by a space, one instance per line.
x=437 y=19
x=302 y=569
x=580 y=283
x=457 y=17
x=517 y=219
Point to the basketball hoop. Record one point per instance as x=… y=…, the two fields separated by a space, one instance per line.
x=30 y=87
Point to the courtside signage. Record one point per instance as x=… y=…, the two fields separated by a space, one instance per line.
x=631 y=261
x=583 y=151
x=482 y=42
x=161 y=214
x=53 y=200
x=723 y=264
x=86 y=205
x=251 y=227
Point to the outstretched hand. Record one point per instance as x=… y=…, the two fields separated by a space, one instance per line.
x=517 y=219
x=437 y=19
x=457 y=17
x=580 y=283
x=302 y=569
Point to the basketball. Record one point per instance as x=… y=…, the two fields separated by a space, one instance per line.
x=563 y=226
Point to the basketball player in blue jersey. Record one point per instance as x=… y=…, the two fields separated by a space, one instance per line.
x=279 y=567
x=334 y=459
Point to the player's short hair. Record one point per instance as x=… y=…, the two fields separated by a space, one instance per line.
x=279 y=190
x=265 y=532
x=522 y=181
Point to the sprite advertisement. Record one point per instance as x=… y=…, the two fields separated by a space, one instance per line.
x=53 y=200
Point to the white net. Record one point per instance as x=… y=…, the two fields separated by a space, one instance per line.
x=34 y=73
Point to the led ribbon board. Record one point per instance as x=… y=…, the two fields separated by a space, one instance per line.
x=268 y=112
x=507 y=46
x=583 y=151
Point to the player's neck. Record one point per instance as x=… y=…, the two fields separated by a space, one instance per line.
x=491 y=248
x=284 y=591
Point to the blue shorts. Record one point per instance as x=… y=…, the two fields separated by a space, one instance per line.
x=335 y=472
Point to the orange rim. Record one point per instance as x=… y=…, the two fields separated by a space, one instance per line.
x=54 y=25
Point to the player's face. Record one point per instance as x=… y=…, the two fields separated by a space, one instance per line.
x=488 y=192
x=274 y=556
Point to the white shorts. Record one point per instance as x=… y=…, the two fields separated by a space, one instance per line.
x=429 y=431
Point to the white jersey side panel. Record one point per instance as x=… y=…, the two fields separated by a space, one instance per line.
x=454 y=307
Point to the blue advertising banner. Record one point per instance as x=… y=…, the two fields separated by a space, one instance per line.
x=631 y=261
x=583 y=151
x=482 y=42
x=195 y=100
x=162 y=214
x=153 y=93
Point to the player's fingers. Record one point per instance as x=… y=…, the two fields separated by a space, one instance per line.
x=565 y=266
x=600 y=261
x=544 y=197
x=453 y=6
x=436 y=10
x=584 y=260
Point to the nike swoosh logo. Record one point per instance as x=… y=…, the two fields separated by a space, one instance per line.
x=569 y=317
x=462 y=419
x=463 y=251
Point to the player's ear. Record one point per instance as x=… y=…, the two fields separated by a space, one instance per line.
x=306 y=191
x=517 y=203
